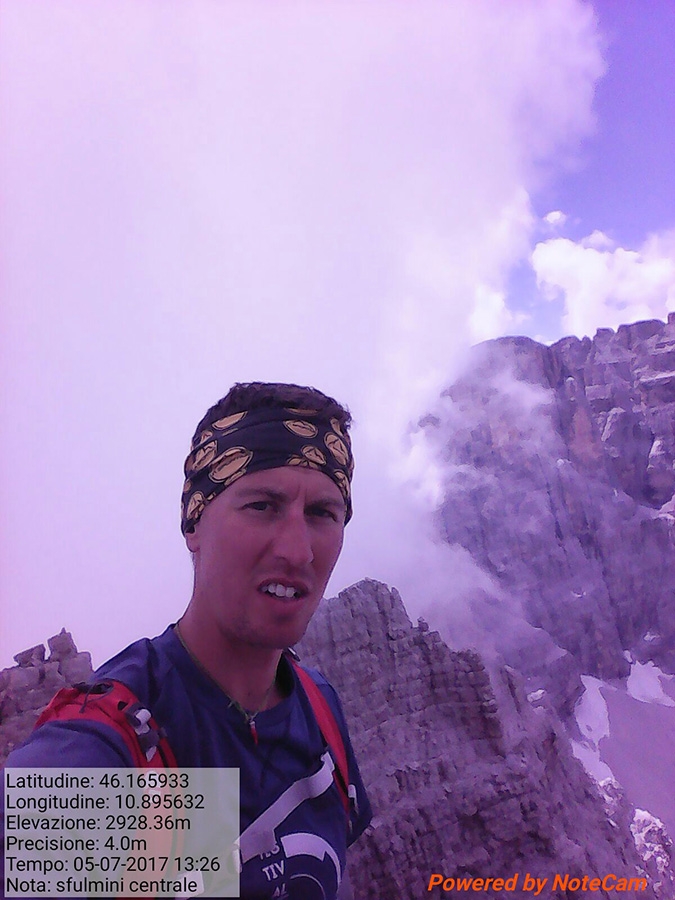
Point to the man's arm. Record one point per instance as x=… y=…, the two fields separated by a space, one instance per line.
x=63 y=745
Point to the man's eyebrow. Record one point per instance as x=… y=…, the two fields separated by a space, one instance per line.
x=245 y=492
x=280 y=496
x=329 y=501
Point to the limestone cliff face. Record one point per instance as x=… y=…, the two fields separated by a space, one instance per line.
x=465 y=776
x=559 y=482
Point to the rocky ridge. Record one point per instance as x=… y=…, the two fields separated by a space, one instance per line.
x=467 y=777
x=26 y=688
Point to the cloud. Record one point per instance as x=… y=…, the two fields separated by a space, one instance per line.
x=604 y=285
x=556 y=218
x=397 y=537
x=324 y=193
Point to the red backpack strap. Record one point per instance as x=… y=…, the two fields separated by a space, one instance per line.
x=330 y=731
x=114 y=704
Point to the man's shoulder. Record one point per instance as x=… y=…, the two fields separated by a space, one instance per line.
x=317 y=676
x=142 y=666
x=323 y=684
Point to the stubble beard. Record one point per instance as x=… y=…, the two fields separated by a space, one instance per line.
x=265 y=638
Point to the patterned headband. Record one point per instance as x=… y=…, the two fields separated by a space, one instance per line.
x=268 y=438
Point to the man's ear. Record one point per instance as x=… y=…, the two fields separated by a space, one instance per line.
x=192 y=540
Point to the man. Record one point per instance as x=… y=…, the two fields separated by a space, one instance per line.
x=265 y=501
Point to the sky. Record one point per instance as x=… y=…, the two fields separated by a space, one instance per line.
x=347 y=195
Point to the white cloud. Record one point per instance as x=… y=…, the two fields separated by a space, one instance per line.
x=490 y=316
x=598 y=240
x=604 y=285
x=556 y=218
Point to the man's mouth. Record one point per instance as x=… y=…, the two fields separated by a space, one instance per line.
x=288 y=592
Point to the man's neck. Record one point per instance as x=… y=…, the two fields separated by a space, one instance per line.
x=246 y=674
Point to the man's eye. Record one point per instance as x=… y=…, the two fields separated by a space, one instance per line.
x=322 y=512
x=259 y=505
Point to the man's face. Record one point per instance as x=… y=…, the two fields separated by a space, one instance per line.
x=271 y=533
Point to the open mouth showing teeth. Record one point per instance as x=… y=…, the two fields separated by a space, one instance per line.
x=278 y=590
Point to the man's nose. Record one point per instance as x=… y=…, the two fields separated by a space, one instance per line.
x=293 y=542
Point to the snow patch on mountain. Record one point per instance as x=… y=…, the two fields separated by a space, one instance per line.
x=646 y=683
x=592 y=719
